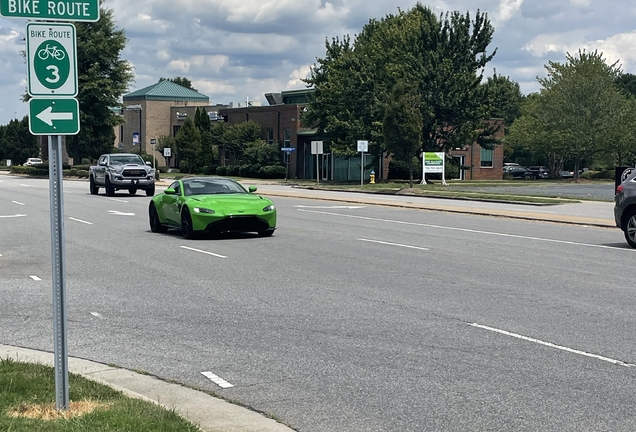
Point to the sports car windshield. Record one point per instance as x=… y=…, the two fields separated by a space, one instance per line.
x=211 y=186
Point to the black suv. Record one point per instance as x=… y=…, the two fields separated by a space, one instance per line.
x=541 y=172
x=625 y=208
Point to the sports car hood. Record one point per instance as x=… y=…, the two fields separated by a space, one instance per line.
x=230 y=202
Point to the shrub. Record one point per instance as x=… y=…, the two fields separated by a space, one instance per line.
x=210 y=169
x=232 y=170
x=249 y=170
x=399 y=170
x=272 y=171
x=221 y=170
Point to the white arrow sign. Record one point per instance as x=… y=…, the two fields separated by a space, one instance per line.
x=47 y=116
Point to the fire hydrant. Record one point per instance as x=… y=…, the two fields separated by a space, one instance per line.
x=372 y=177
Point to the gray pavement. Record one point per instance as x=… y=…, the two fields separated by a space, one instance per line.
x=214 y=414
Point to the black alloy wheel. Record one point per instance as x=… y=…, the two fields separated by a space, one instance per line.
x=186 y=224
x=155 y=223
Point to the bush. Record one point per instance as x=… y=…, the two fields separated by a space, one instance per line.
x=272 y=172
x=210 y=169
x=605 y=174
x=221 y=170
x=232 y=170
x=249 y=170
x=399 y=170
x=79 y=167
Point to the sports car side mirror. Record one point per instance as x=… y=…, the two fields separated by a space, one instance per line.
x=170 y=191
x=252 y=189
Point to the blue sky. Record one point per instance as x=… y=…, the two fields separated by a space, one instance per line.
x=233 y=51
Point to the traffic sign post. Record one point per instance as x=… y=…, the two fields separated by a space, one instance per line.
x=51 y=10
x=51 y=56
x=316 y=148
x=52 y=81
x=58 y=116
x=287 y=151
x=363 y=146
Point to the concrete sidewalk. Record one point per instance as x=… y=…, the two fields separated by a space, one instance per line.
x=211 y=414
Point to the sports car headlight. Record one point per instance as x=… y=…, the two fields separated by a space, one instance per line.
x=203 y=210
x=269 y=207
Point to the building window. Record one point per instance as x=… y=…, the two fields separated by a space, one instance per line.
x=287 y=138
x=175 y=129
x=270 y=136
x=486 y=157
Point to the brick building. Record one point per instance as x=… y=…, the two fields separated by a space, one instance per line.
x=481 y=163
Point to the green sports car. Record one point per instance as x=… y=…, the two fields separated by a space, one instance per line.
x=211 y=204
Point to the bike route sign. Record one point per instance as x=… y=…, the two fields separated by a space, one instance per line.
x=51 y=10
x=51 y=56
x=59 y=116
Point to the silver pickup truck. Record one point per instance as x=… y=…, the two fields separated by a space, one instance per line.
x=122 y=171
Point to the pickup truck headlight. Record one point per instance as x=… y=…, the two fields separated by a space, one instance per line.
x=269 y=207
x=203 y=210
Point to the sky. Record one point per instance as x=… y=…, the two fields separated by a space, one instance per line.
x=235 y=51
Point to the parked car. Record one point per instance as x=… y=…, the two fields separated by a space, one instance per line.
x=625 y=208
x=541 y=171
x=211 y=204
x=521 y=172
x=33 y=161
x=566 y=174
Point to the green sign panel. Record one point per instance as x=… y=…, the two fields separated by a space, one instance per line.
x=51 y=56
x=51 y=10
x=54 y=116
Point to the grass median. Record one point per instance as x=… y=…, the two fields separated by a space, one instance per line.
x=27 y=404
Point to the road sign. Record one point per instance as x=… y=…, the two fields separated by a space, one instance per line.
x=316 y=147
x=288 y=149
x=51 y=10
x=167 y=152
x=153 y=141
x=54 y=116
x=51 y=56
x=363 y=146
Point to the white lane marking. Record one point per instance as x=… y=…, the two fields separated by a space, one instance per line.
x=217 y=380
x=17 y=202
x=97 y=315
x=202 y=251
x=0 y=255
x=35 y=278
x=551 y=345
x=24 y=185
x=393 y=244
x=118 y=200
x=470 y=230
x=79 y=220
x=330 y=207
x=118 y=213
x=12 y=216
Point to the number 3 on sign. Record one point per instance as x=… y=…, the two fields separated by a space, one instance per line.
x=55 y=71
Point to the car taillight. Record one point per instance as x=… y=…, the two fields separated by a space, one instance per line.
x=619 y=189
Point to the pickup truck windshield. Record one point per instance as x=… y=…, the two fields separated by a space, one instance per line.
x=123 y=160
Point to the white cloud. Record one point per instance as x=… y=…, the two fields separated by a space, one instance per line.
x=507 y=9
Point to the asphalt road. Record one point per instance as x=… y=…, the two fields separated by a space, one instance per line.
x=602 y=191
x=350 y=318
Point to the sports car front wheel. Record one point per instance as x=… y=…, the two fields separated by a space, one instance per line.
x=186 y=224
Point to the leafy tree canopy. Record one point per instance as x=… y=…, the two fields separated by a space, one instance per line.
x=182 y=81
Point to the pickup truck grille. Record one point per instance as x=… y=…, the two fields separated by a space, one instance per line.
x=134 y=173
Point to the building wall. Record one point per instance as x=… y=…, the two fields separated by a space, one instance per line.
x=472 y=157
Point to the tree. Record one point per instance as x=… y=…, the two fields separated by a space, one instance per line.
x=238 y=135
x=202 y=122
x=182 y=81
x=188 y=144
x=17 y=143
x=627 y=83
x=402 y=125
x=103 y=77
x=445 y=56
x=580 y=96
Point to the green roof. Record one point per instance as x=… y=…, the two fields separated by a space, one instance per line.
x=167 y=91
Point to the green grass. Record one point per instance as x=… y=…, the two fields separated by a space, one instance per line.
x=29 y=388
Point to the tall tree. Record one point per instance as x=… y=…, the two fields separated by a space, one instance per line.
x=182 y=81
x=103 y=78
x=17 y=143
x=445 y=56
x=402 y=124
x=188 y=144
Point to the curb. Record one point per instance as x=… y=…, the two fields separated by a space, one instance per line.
x=209 y=413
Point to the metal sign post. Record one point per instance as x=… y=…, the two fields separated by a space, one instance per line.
x=59 y=273
x=316 y=148
x=153 y=142
x=287 y=156
x=363 y=146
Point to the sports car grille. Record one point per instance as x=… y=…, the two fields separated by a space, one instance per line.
x=134 y=173
x=238 y=224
